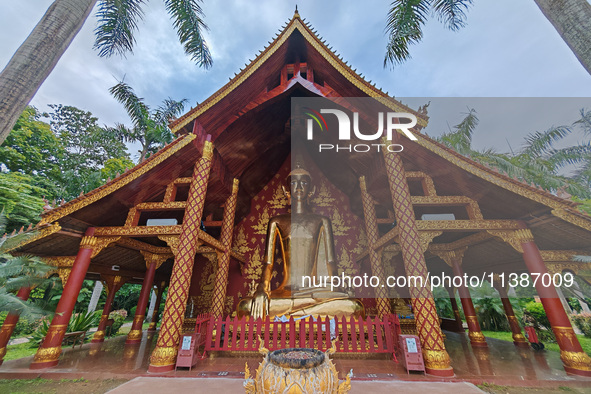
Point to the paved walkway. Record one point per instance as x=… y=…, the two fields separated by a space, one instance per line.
x=502 y=364
x=224 y=385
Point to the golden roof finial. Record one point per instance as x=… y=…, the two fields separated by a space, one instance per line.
x=296 y=14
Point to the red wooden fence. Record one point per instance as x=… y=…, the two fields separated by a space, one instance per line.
x=371 y=335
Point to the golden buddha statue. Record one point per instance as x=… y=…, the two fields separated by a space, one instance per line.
x=307 y=249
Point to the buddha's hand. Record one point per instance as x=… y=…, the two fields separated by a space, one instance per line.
x=259 y=304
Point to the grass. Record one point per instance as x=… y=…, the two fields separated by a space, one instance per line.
x=20 y=351
x=492 y=388
x=506 y=336
x=125 y=330
x=62 y=386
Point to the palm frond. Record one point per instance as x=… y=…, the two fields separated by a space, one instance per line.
x=460 y=139
x=538 y=143
x=10 y=302
x=585 y=121
x=452 y=12
x=404 y=27
x=117 y=23
x=136 y=109
x=188 y=21
x=570 y=155
x=582 y=259
x=504 y=164
x=169 y=110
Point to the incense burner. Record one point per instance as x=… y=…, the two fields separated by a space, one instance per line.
x=296 y=371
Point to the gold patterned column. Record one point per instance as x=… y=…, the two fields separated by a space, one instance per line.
x=221 y=281
x=375 y=256
x=437 y=361
x=48 y=353
x=575 y=360
x=153 y=262
x=518 y=338
x=454 y=258
x=164 y=355
x=10 y=322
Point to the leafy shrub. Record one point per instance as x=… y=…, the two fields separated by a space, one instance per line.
x=119 y=318
x=132 y=311
x=536 y=310
x=127 y=297
x=83 y=321
x=491 y=314
x=444 y=308
x=24 y=327
x=78 y=322
x=535 y=314
x=41 y=330
x=583 y=323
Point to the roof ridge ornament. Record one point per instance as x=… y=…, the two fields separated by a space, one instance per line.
x=296 y=14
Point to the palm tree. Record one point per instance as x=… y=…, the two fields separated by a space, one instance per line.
x=150 y=129
x=37 y=56
x=537 y=162
x=572 y=20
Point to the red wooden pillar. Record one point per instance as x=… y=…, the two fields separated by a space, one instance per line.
x=113 y=283
x=454 y=307
x=575 y=360
x=154 y=321
x=474 y=333
x=371 y=228
x=10 y=322
x=221 y=281
x=437 y=361
x=518 y=338
x=48 y=353
x=164 y=355
x=153 y=262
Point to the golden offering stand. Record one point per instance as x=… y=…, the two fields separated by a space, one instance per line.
x=296 y=371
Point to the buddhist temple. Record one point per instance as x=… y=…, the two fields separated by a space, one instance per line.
x=194 y=218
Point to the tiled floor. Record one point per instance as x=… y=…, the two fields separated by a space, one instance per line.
x=501 y=363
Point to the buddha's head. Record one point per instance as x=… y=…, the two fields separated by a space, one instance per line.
x=299 y=183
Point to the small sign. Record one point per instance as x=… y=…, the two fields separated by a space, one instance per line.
x=186 y=343
x=411 y=345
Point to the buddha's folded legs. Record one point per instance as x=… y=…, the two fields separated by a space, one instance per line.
x=307 y=306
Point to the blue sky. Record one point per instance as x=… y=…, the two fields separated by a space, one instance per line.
x=508 y=49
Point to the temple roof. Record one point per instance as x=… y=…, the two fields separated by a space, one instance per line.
x=248 y=121
x=286 y=39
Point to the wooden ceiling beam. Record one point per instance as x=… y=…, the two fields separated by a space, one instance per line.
x=219 y=168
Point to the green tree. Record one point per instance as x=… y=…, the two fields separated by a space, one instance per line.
x=31 y=148
x=20 y=200
x=406 y=18
x=115 y=167
x=37 y=56
x=150 y=128
x=87 y=148
x=127 y=297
